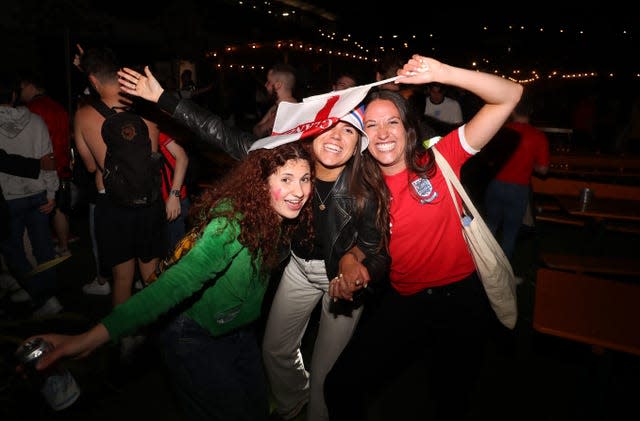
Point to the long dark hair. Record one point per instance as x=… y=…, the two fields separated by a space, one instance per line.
x=245 y=188
x=372 y=176
x=365 y=184
x=414 y=150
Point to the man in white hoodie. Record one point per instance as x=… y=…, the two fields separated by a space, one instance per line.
x=29 y=201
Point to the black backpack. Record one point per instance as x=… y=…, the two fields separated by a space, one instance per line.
x=131 y=170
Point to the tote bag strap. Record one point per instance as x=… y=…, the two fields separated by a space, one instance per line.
x=452 y=179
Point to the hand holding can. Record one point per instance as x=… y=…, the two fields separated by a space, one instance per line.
x=57 y=385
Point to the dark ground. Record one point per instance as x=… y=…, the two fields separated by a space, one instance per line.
x=539 y=377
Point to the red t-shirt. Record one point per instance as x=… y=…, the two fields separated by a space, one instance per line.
x=532 y=150
x=427 y=247
x=57 y=120
x=170 y=164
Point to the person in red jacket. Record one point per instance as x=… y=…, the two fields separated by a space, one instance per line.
x=507 y=195
x=56 y=117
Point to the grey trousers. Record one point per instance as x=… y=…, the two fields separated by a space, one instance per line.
x=303 y=284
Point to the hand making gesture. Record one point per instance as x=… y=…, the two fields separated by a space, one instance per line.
x=145 y=86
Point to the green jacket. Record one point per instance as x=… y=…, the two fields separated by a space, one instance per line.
x=217 y=276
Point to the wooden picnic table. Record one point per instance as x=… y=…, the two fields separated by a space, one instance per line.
x=601 y=208
x=594 y=264
x=595 y=166
x=601 y=312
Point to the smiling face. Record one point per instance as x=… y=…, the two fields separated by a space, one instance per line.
x=387 y=135
x=290 y=187
x=333 y=148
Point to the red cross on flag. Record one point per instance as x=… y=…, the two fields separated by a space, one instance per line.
x=315 y=114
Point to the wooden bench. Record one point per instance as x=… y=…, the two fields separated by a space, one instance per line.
x=622 y=226
x=547 y=209
x=601 y=164
x=555 y=186
x=600 y=312
x=559 y=218
x=547 y=190
x=592 y=264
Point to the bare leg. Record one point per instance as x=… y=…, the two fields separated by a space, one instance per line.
x=61 y=227
x=146 y=269
x=123 y=281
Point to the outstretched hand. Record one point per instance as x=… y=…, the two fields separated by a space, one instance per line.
x=76 y=346
x=145 y=86
x=420 y=69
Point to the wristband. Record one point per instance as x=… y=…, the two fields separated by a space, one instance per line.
x=175 y=192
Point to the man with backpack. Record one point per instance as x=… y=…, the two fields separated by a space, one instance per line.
x=123 y=148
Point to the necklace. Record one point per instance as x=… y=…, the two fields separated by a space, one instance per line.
x=322 y=205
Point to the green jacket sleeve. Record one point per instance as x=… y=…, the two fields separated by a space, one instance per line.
x=210 y=255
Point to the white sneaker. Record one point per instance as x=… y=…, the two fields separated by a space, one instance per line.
x=49 y=308
x=9 y=285
x=20 y=296
x=60 y=390
x=96 y=288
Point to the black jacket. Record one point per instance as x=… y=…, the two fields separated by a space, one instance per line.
x=345 y=230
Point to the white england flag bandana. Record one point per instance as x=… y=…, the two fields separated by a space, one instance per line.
x=315 y=114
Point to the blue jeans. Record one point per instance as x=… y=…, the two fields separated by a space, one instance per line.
x=215 y=378
x=24 y=214
x=506 y=204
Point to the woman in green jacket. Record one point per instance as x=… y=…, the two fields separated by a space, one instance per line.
x=214 y=291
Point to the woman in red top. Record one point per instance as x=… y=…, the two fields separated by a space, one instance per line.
x=436 y=298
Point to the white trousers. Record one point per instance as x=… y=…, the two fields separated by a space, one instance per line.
x=303 y=284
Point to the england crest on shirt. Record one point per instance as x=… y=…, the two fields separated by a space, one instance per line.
x=424 y=190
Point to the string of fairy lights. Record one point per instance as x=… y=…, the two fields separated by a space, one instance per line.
x=331 y=43
x=515 y=75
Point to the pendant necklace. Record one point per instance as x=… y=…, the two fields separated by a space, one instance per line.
x=322 y=205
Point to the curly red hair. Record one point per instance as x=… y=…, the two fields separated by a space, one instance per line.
x=246 y=187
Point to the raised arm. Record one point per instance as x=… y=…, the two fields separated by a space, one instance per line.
x=145 y=86
x=499 y=94
x=207 y=126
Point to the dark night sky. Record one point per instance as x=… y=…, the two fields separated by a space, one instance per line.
x=43 y=32
x=189 y=27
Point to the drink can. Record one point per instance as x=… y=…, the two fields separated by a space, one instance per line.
x=29 y=353
x=58 y=387
x=586 y=195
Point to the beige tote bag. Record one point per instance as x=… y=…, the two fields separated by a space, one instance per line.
x=492 y=264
